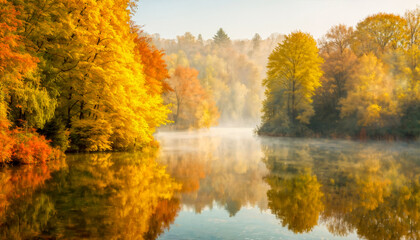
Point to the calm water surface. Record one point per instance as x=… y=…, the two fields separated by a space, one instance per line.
x=220 y=184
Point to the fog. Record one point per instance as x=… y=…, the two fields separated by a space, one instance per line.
x=219 y=165
x=304 y=182
x=229 y=73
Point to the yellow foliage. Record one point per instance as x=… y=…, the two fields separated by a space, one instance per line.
x=93 y=135
x=93 y=65
x=378 y=33
x=297 y=202
x=293 y=74
x=370 y=93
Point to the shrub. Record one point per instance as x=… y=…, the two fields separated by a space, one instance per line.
x=24 y=147
x=31 y=148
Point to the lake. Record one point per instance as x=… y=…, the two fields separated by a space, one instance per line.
x=222 y=183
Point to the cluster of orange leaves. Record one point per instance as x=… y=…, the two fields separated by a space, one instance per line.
x=154 y=66
x=24 y=147
x=11 y=59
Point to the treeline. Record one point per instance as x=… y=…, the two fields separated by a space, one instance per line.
x=80 y=73
x=229 y=73
x=361 y=81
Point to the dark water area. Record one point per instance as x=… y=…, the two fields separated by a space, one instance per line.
x=222 y=183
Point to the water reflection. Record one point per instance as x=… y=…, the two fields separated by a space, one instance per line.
x=368 y=189
x=24 y=210
x=273 y=187
x=99 y=196
x=221 y=167
x=296 y=201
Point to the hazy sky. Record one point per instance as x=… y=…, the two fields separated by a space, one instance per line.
x=243 y=18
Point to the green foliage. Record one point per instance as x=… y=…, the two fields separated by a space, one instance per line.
x=410 y=120
x=55 y=130
x=34 y=105
x=256 y=42
x=221 y=38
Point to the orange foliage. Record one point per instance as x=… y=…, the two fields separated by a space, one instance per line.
x=24 y=147
x=6 y=142
x=194 y=106
x=11 y=59
x=31 y=149
x=154 y=67
x=186 y=85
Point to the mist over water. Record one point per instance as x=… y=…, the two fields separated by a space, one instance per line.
x=294 y=186
x=220 y=183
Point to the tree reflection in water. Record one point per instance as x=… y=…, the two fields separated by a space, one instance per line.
x=99 y=196
x=24 y=210
x=216 y=167
x=372 y=191
x=296 y=201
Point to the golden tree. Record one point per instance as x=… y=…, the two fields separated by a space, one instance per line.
x=378 y=33
x=369 y=93
x=293 y=74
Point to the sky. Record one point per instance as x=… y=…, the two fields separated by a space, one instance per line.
x=241 y=19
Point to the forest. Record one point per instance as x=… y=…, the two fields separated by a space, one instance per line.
x=81 y=76
x=355 y=82
x=229 y=72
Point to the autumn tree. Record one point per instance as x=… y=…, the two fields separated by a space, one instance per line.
x=193 y=106
x=14 y=61
x=412 y=43
x=154 y=65
x=186 y=41
x=91 y=65
x=409 y=76
x=339 y=60
x=21 y=90
x=370 y=94
x=230 y=73
x=378 y=33
x=293 y=74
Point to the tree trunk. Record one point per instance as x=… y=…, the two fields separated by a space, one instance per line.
x=293 y=103
x=82 y=105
